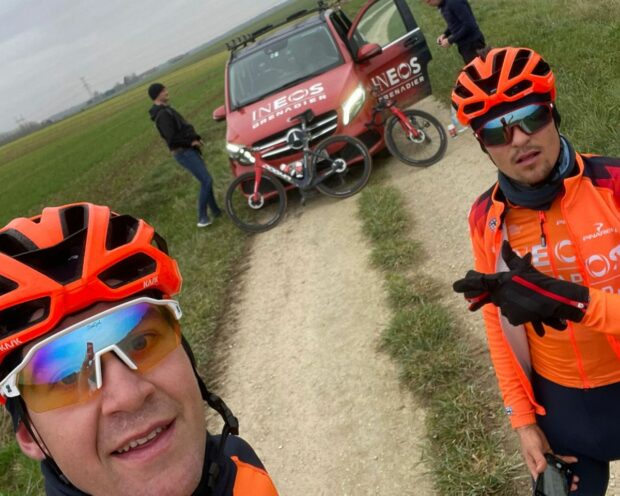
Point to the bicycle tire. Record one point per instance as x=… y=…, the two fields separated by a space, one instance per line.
x=356 y=162
x=263 y=217
x=434 y=133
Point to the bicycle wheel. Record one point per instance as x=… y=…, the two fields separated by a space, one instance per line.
x=423 y=151
x=344 y=163
x=255 y=214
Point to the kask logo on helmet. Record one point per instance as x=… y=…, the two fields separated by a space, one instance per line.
x=9 y=345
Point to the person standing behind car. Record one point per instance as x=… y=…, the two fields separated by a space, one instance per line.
x=185 y=144
x=462 y=28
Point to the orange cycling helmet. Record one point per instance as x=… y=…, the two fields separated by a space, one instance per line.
x=504 y=75
x=69 y=258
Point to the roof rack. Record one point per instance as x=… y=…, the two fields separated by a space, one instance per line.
x=247 y=38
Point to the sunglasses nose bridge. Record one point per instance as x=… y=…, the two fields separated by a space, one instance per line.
x=120 y=354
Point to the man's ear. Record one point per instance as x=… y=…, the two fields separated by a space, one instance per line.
x=27 y=444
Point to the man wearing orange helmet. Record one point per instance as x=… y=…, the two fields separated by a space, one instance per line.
x=546 y=243
x=98 y=378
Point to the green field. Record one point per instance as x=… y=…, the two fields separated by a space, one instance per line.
x=111 y=153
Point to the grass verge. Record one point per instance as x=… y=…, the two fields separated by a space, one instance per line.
x=436 y=362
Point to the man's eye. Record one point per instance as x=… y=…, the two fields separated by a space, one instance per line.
x=68 y=380
x=142 y=342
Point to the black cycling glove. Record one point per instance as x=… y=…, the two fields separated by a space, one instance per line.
x=525 y=294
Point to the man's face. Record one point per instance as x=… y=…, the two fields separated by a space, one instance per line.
x=163 y=97
x=528 y=159
x=432 y=3
x=159 y=415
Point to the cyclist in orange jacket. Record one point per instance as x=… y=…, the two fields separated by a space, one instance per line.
x=98 y=378
x=546 y=243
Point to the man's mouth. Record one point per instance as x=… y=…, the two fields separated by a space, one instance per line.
x=141 y=442
x=527 y=158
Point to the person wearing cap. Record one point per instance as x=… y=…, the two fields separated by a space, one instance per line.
x=99 y=380
x=546 y=244
x=186 y=145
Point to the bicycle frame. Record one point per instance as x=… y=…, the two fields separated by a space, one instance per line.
x=383 y=104
x=309 y=179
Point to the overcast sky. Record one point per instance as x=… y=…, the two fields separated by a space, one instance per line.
x=46 y=46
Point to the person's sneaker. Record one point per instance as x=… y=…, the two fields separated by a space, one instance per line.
x=204 y=223
x=217 y=214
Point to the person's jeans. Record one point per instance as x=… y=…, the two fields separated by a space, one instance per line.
x=191 y=160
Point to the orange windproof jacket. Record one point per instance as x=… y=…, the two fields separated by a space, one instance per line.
x=590 y=205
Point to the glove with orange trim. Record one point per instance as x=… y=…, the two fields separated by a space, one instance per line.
x=525 y=294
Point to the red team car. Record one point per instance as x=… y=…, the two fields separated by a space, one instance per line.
x=323 y=61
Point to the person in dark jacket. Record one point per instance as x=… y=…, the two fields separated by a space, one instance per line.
x=185 y=144
x=462 y=29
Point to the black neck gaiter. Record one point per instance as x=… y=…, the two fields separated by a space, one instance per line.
x=541 y=196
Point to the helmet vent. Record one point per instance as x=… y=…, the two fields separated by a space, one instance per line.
x=498 y=61
x=73 y=219
x=463 y=92
x=472 y=72
x=518 y=88
x=12 y=242
x=132 y=268
x=159 y=243
x=473 y=107
x=6 y=285
x=521 y=60
x=541 y=69
x=61 y=262
x=121 y=230
x=18 y=317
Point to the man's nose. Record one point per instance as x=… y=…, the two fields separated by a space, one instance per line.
x=519 y=137
x=124 y=389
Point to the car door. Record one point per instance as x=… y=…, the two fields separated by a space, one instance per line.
x=400 y=70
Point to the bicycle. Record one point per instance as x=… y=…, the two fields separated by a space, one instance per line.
x=410 y=132
x=339 y=166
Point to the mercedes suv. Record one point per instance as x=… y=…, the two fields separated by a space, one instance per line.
x=322 y=60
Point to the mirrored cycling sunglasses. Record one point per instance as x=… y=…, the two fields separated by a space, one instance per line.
x=530 y=119
x=65 y=368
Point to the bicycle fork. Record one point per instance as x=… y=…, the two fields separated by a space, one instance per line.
x=411 y=131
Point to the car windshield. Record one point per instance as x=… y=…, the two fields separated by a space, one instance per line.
x=282 y=63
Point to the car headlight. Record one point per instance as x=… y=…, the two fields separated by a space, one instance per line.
x=240 y=153
x=353 y=104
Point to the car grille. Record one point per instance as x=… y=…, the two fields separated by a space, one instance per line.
x=322 y=126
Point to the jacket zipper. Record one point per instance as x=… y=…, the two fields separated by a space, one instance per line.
x=571 y=329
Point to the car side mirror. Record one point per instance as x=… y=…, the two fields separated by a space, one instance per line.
x=368 y=51
x=219 y=114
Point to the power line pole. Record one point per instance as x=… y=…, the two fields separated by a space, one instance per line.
x=87 y=87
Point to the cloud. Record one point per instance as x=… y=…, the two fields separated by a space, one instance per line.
x=46 y=46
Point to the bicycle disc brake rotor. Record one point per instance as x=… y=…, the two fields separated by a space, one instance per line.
x=339 y=165
x=253 y=204
x=421 y=138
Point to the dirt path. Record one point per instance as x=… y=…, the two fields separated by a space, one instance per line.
x=313 y=394
x=320 y=403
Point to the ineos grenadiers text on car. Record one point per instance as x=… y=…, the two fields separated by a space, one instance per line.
x=320 y=60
